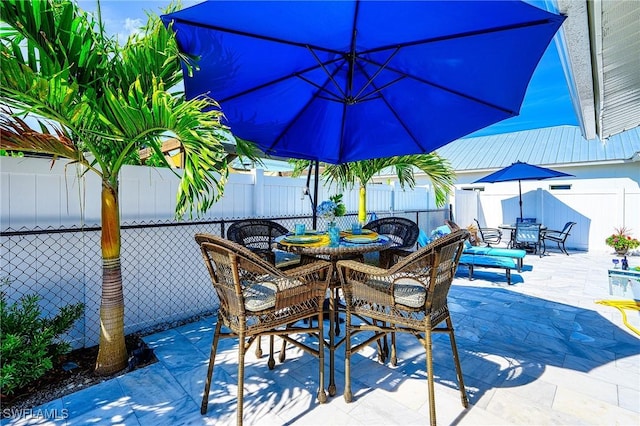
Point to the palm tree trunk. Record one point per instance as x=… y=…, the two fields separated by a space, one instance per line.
x=362 y=205
x=112 y=352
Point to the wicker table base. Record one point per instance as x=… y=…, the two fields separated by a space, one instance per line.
x=343 y=251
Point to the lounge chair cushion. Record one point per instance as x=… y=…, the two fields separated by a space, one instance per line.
x=493 y=251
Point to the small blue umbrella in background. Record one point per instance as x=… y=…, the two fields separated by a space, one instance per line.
x=341 y=81
x=521 y=171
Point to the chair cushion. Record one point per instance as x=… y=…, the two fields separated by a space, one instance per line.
x=259 y=296
x=409 y=292
x=423 y=239
x=440 y=231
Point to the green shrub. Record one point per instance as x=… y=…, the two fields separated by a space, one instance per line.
x=29 y=343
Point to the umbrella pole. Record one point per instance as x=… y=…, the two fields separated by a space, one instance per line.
x=520 y=192
x=314 y=203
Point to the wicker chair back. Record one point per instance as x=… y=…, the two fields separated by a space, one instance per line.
x=257 y=235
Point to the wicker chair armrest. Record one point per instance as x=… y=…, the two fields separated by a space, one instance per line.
x=362 y=267
x=306 y=269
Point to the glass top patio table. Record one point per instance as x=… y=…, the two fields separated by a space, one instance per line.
x=512 y=226
x=344 y=250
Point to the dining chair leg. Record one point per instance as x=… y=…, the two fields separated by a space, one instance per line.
x=272 y=362
x=212 y=360
x=348 y=396
x=394 y=357
x=283 y=349
x=259 y=347
x=456 y=358
x=430 y=381
x=322 y=395
x=240 y=397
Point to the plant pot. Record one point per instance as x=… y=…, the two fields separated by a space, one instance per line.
x=622 y=251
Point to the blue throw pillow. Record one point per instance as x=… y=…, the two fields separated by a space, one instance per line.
x=423 y=240
x=440 y=231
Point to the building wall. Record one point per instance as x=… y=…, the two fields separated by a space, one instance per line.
x=601 y=197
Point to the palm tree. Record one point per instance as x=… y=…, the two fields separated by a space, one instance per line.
x=362 y=172
x=98 y=103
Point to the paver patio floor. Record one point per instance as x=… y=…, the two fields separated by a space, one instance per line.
x=540 y=351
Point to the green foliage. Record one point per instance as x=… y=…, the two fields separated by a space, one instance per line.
x=29 y=343
x=102 y=98
x=621 y=239
x=5 y=153
x=348 y=175
x=341 y=209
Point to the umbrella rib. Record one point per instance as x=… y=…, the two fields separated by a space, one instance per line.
x=351 y=57
x=380 y=68
x=322 y=65
x=447 y=89
x=255 y=36
x=293 y=120
x=377 y=91
x=395 y=114
x=276 y=81
x=461 y=35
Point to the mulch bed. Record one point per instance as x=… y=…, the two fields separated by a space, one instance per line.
x=58 y=382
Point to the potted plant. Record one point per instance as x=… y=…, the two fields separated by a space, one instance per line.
x=621 y=240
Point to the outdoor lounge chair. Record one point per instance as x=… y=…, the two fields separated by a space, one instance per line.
x=489 y=235
x=558 y=237
x=258 y=299
x=409 y=297
x=403 y=232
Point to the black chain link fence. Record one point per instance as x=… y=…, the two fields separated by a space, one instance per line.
x=165 y=282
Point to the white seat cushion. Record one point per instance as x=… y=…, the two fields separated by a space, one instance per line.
x=409 y=292
x=259 y=296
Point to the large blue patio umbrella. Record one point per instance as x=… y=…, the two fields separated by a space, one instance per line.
x=521 y=171
x=341 y=81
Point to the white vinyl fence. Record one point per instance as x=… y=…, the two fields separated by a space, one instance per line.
x=50 y=218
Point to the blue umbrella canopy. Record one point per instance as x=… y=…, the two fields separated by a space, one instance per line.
x=341 y=81
x=521 y=171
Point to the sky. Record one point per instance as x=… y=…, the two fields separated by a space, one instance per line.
x=546 y=104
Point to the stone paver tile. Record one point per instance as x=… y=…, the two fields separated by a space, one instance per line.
x=592 y=410
x=581 y=382
x=151 y=388
x=629 y=398
x=523 y=411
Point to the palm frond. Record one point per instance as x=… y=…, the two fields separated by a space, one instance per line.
x=17 y=135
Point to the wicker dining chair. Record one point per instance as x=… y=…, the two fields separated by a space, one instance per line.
x=258 y=235
x=403 y=232
x=410 y=297
x=259 y=299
